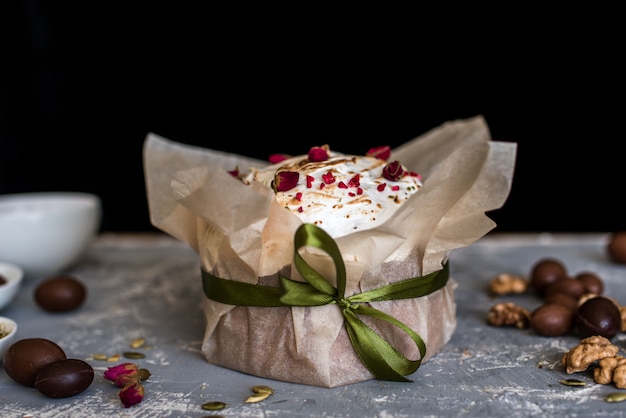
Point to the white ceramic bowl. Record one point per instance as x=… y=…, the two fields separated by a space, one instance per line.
x=13 y=276
x=6 y=326
x=47 y=232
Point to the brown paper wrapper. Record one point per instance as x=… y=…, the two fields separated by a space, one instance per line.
x=241 y=233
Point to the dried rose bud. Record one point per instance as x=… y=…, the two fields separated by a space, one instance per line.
x=235 y=172
x=317 y=154
x=123 y=374
x=286 y=180
x=131 y=394
x=276 y=158
x=393 y=171
x=383 y=152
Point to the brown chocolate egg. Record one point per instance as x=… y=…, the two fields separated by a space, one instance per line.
x=562 y=299
x=64 y=378
x=616 y=247
x=25 y=358
x=545 y=272
x=593 y=283
x=60 y=293
x=574 y=288
x=599 y=316
x=552 y=319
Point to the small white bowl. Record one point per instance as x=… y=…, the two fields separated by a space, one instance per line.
x=47 y=232
x=6 y=326
x=13 y=275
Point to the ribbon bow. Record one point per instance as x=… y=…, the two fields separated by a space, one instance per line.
x=380 y=357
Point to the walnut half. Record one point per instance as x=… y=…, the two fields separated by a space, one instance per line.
x=611 y=370
x=508 y=314
x=589 y=350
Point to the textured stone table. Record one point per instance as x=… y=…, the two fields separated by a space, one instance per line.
x=148 y=286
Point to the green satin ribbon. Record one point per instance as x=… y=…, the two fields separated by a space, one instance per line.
x=380 y=357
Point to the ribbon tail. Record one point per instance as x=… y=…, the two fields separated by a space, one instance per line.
x=384 y=361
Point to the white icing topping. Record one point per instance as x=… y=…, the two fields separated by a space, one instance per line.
x=337 y=209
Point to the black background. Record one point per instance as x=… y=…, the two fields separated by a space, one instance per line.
x=81 y=85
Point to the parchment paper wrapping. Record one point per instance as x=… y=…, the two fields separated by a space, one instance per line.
x=241 y=233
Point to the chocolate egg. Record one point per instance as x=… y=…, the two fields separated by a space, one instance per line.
x=616 y=247
x=60 y=293
x=552 y=320
x=64 y=378
x=25 y=358
x=562 y=299
x=545 y=272
x=599 y=316
x=566 y=285
x=591 y=281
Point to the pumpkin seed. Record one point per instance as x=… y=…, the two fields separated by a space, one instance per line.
x=572 y=382
x=114 y=358
x=99 y=356
x=258 y=397
x=262 y=389
x=214 y=405
x=134 y=354
x=144 y=374
x=616 y=397
x=137 y=342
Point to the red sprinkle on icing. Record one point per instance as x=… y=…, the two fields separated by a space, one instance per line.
x=300 y=209
x=299 y=196
x=342 y=185
x=355 y=181
x=395 y=188
x=381 y=187
x=359 y=191
x=328 y=178
x=309 y=181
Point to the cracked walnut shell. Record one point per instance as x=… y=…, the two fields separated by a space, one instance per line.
x=589 y=350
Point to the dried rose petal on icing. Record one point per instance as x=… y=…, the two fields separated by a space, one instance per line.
x=383 y=152
x=286 y=180
x=393 y=171
x=317 y=154
x=276 y=158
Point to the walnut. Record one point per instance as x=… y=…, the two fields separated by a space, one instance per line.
x=588 y=351
x=508 y=314
x=611 y=370
x=504 y=284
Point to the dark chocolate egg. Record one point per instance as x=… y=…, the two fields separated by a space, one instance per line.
x=599 y=316
x=25 y=358
x=60 y=293
x=64 y=378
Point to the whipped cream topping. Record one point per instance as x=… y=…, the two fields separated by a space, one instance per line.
x=343 y=194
